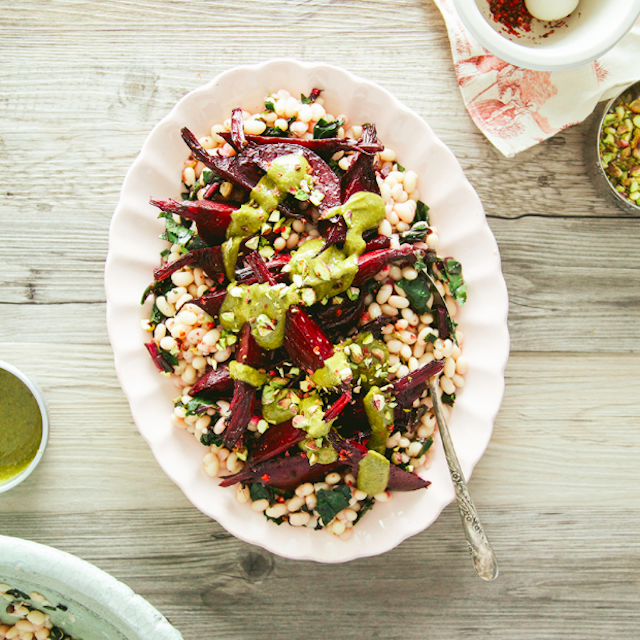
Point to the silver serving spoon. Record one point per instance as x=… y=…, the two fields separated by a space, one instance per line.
x=482 y=555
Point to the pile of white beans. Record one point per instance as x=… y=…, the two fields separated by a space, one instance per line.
x=191 y=333
x=30 y=623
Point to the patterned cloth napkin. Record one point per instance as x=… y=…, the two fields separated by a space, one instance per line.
x=517 y=108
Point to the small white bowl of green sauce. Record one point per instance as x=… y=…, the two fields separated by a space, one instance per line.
x=24 y=426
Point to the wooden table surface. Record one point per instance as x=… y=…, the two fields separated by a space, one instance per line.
x=81 y=85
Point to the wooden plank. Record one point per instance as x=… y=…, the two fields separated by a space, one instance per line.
x=562 y=576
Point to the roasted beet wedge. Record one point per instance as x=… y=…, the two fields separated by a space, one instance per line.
x=212 y=218
x=247 y=352
x=327 y=181
x=158 y=358
x=216 y=382
x=208 y=259
x=324 y=147
x=285 y=473
x=239 y=170
x=305 y=342
x=353 y=452
x=276 y=440
x=370 y=263
x=211 y=301
x=339 y=318
x=410 y=387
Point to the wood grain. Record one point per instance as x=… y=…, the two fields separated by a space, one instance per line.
x=82 y=83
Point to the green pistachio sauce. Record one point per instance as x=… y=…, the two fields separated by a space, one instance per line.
x=362 y=211
x=263 y=306
x=20 y=426
x=245 y=373
x=380 y=416
x=373 y=473
x=283 y=176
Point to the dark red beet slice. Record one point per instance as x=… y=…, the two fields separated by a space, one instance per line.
x=328 y=182
x=442 y=322
x=211 y=301
x=305 y=342
x=285 y=473
x=338 y=406
x=243 y=275
x=370 y=263
x=325 y=147
x=212 y=218
x=240 y=413
x=378 y=242
x=276 y=440
x=239 y=170
x=361 y=175
x=401 y=480
x=259 y=267
x=410 y=387
x=339 y=317
x=158 y=358
x=217 y=381
x=247 y=352
x=375 y=326
x=238 y=139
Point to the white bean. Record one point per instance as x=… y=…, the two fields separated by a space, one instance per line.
x=374 y=310
x=410 y=181
x=304 y=490
x=387 y=155
x=462 y=365
x=165 y=308
x=458 y=380
x=182 y=278
x=449 y=367
x=394 y=346
x=255 y=127
x=398 y=302
x=447 y=386
x=299 y=519
x=260 y=506
x=384 y=293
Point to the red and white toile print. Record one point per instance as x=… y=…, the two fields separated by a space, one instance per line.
x=516 y=108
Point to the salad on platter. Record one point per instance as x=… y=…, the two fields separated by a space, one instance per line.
x=292 y=311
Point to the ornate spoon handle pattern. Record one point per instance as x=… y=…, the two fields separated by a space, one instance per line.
x=482 y=555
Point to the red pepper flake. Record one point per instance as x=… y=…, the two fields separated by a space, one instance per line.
x=265 y=478
x=512 y=14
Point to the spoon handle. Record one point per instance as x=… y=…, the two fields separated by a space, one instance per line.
x=482 y=555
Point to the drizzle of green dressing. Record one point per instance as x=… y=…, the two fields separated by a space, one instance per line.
x=283 y=176
x=312 y=416
x=336 y=370
x=20 y=426
x=373 y=473
x=245 y=373
x=329 y=273
x=370 y=357
x=279 y=405
x=263 y=306
x=380 y=416
x=313 y=423
x=361 y=212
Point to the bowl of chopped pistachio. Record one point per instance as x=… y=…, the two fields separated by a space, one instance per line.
x=614 y=159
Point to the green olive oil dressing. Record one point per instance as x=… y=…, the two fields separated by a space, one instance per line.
x=20 y=426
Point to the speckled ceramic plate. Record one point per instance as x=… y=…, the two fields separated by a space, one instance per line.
x=456 y=211
x=95 y=606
